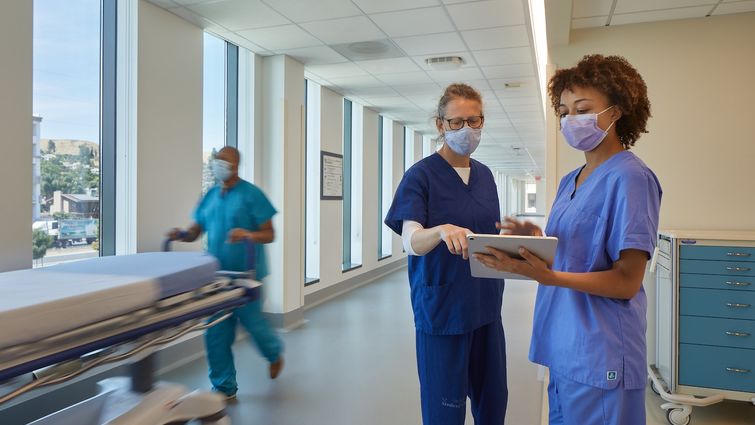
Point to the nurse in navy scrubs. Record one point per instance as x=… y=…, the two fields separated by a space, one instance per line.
x=461 y=350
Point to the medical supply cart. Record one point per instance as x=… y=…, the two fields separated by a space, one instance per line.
x=705 y=327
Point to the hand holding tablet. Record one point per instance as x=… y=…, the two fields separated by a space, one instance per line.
x=543 y=247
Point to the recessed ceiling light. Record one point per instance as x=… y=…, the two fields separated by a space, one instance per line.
x=512 y=85
x=445 y=63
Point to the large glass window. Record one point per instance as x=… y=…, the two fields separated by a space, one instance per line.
x=68 y=103
x=385 y=183
x=312 y=220
x=213 y=122
x=352 y=187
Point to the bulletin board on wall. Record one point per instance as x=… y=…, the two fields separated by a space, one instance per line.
x=331 y=176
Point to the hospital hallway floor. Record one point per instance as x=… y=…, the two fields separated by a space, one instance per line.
x=353 y=362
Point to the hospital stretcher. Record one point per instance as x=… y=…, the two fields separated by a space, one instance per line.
x=66 y=320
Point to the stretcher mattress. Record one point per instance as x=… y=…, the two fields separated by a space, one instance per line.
x=38 y=303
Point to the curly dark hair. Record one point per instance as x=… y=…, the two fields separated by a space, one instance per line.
x=616 y=79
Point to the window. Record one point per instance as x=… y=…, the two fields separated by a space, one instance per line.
x=73 y=119
x=352 y=185
x=385 y=184
x=531 y=190
x=408 y=148
x=312 y=220
x=213 y=119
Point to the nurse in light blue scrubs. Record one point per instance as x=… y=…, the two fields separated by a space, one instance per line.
x=589 y=325
x=461 y=349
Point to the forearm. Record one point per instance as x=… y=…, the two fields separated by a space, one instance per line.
x=610 y=283
x=425 y=240
x=262 y=236
x=192 y=233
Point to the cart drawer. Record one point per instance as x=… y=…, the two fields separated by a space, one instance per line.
x=714 y=331
x=717 y=367
x=727 y=268
x=739 y=283
x=720 y=253
x=717 y=303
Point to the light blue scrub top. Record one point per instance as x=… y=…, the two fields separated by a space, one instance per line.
x=590 y=339
x=243 y=205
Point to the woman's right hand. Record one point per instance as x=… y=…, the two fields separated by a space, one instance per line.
x=455 y=238
x=512 y=226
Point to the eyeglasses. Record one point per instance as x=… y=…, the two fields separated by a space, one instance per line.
x=472 y=122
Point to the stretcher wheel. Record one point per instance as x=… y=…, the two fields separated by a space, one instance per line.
x=678 y=417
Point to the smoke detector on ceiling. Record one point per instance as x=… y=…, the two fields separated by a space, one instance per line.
x=445 y=63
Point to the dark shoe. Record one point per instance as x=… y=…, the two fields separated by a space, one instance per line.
x=276 y=367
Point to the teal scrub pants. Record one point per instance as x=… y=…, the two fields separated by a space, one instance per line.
x=219 y=340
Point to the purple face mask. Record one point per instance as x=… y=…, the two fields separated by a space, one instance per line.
x=582 y=131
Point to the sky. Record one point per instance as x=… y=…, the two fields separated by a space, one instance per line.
x=67 y=73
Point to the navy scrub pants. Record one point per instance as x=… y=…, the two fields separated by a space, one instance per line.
x=454 y=367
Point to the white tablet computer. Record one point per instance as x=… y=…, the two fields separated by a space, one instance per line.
x=542 y=246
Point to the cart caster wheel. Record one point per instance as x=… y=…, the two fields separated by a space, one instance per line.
x=655 y=390
x=677 y=417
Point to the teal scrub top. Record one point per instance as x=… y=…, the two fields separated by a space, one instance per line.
x=244 y=206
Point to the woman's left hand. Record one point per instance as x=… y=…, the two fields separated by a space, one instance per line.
x=531 y=266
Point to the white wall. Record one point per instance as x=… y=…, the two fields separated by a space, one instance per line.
x=16 y=124
x=169 y=135
x=699 y=77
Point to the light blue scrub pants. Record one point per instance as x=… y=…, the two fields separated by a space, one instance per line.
x=220 y=338
x=573 y=403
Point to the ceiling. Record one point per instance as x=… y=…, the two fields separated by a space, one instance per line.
x=492 y=36
x=598 y=13
x=373 y=52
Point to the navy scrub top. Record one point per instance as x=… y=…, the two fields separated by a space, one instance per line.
x=446 y=299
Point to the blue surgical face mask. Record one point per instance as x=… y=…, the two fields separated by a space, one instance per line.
x=582 y=131
x=463 y=141
x=222 y=170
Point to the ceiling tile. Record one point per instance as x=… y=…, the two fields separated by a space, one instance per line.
x=597 y=21
x=630 y=6
x=307 y=10
x=509 y=71
x=487 y=14
x=512 y=101
x=591 y=8
x=406 y=78
x=496 y=38
x=738 y=7
x=375 y=91
x=459 y=75
x=427 y=89
x=347 y=69
x=517 y=92
x=431 y=44
x=280 y=38
x=356 y=82
x=661 y=15
x=240 y=14
x=317 y=55
x=373 y=6
x=509 y=56
x=531 y=107
x=387 y=66
x=430 y=20
x=344 y=30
